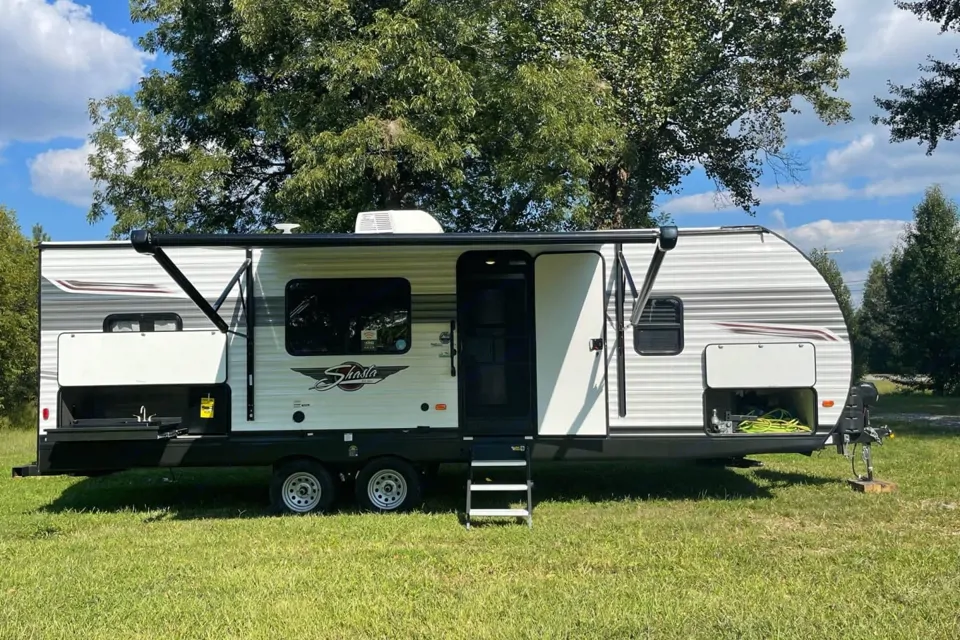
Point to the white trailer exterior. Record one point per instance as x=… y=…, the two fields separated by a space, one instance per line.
x=392 y=351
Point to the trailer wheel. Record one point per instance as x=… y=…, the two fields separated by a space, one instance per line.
x=301 y=487
x=388 y=485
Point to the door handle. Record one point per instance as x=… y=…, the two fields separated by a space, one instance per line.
x=453 y=349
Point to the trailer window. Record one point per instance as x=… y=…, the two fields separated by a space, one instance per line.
x=659 y=331
x=348 y=316
x=142 y=322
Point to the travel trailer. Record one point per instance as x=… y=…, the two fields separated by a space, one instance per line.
x=372 y=357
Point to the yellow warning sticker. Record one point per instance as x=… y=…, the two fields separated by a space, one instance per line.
x=206 y=407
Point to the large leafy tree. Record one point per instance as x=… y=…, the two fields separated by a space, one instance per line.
x=500 y=115
x=708 y=83
x=830 y=271
x=924 y=292
x=18 y=315
x=928 y=110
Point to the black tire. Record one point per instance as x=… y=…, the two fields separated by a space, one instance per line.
x=311 y=488
x=394 y=483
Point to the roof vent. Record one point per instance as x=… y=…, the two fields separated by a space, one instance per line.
x=286 y=227
x=402 y=221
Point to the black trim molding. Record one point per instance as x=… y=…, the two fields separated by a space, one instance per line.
x=619 y=274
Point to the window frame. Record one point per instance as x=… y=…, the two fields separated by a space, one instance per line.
x=140 y=318
x=679 y=324
x=408 y=292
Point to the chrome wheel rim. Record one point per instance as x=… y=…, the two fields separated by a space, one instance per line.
x=387 y=489
x=301 y=492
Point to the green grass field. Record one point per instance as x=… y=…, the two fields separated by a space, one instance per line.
x=782 y=551
x=894 y=399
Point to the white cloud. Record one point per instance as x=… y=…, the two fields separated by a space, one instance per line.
x=850 y=157
x=53 y=58
x=884 y=171
x=63 y=174
x=779 y=218
x=859 y=239
x=870 y=156
x=711 y=201
x=883 y=43
x=859 y=242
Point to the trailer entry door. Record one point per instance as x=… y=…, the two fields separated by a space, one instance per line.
x=571 y=352
x=495 y=342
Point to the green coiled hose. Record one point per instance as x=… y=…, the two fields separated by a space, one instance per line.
x=776 y=421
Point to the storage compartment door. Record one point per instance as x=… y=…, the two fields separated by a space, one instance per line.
x=769 y=365
x=147 y=358
x=571 y=371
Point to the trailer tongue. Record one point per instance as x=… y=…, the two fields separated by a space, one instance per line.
x=855 y=429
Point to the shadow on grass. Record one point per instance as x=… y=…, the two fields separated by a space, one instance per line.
x=917 y=403
x=924 y=424
x=918 y=429
x=917 y=414
x=189 y=494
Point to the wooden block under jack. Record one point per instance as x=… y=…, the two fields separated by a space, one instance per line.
x=872 y=486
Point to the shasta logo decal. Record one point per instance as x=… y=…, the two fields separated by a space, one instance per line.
x=349 y=376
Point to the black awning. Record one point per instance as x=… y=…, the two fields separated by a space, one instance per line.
x=146 y=241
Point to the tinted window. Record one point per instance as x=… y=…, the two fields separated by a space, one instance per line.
x=659 y=331
x=142 y=322
x=348 y=316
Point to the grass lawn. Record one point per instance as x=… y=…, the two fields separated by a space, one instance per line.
x=782 y=551
x=894 y=399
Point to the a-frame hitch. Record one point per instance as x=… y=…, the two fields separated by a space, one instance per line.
x=855 y=430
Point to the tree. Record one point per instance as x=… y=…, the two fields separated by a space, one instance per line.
x=878 y=341
x=39 y=235
x=830 y=271
x=502 y=115
x=924 y=292
x=18 y=314
x=928 y=111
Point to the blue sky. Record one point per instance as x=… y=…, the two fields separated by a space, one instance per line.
x=855 y=194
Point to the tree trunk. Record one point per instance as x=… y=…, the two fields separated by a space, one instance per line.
x=609 y=188
x=389 y=197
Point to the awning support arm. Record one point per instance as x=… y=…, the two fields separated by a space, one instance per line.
x=184 y=283
x=626 y=272
x=666 y=242
x=143 y=243
x=233 y=281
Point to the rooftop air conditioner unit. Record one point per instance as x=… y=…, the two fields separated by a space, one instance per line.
x=402 y=221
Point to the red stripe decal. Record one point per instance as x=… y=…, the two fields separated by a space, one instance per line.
x=82 y=286
x=773 y=330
